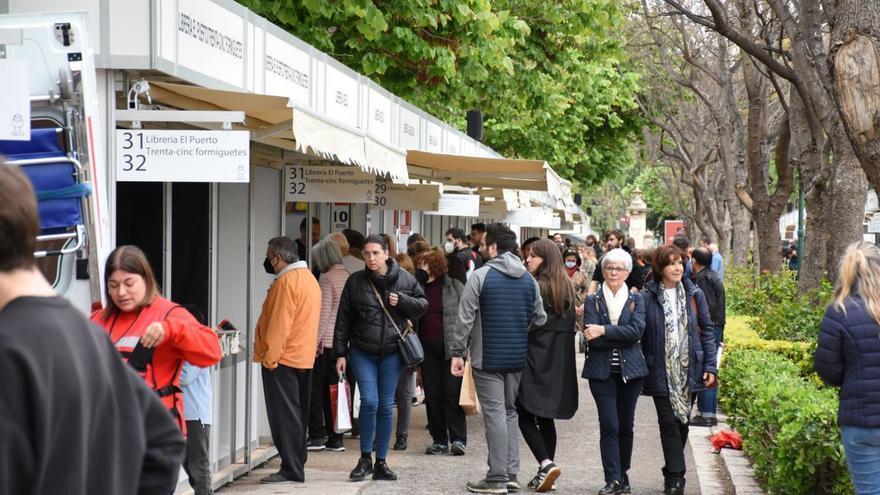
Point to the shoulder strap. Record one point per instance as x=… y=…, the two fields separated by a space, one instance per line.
x=382 y=304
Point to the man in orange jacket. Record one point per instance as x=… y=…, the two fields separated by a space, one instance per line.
x=284 y=343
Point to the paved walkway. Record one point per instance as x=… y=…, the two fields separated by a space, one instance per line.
x=577 y=455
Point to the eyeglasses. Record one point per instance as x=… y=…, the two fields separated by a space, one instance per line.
x=613 y=269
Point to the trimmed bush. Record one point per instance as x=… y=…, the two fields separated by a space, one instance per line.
x=738 y=334
x=789 y=425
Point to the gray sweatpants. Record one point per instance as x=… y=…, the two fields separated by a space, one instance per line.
x=497 y=395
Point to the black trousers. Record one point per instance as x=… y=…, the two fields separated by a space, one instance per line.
x=320 y=409
x=442 y=390
x=196 y=464
x=287 y=392
x=673 y=437
x=539 y=433
x=616 y=404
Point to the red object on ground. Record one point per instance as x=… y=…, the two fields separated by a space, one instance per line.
x=727 y=438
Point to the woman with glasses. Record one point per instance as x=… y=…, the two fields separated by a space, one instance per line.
x=614 y=320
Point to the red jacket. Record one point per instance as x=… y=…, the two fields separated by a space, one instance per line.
x=185 y=340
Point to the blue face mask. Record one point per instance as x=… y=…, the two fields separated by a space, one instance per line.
x=570 y=264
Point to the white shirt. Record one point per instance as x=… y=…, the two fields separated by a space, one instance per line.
x=615 y=301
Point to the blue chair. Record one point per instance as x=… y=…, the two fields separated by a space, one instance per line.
x=58 y=181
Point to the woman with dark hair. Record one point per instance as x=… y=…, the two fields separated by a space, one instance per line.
x=446 y=419
x=548 y=389
x=361 y=323
x=151 y=333
x=572 y=261
x=680 y=356
x=526 y=247
x=614 y=321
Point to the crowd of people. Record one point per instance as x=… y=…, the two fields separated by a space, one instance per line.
x=336 y=311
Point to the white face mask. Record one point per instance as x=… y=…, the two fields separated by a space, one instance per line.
x=448 y=246
x=570 y=264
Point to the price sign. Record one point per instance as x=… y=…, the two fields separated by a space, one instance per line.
x=182 y=156
x=329 y=183
x=418 y=197
x=458 y=205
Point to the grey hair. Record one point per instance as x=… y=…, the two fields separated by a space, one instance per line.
x=325 y=254
x=284 y=247
x=620 y=256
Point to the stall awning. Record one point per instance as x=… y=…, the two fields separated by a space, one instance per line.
x=471 y=171
x=275 y=121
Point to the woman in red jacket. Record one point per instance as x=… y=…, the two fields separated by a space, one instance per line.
x=152 y=334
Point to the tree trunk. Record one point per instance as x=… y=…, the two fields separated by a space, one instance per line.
x=849 y=192
x=854 y=61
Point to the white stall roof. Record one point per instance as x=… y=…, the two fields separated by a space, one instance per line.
x=276 y=121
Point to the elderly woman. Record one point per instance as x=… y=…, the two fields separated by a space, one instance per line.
x=362 y=324
x=680 y=357
x=327 y=259
x=446 y=419
x=846 y=357
x=614 y=320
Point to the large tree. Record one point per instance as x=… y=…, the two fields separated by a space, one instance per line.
x=549 y=76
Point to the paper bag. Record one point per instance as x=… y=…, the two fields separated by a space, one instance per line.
x=468 y=397
x=339 y=406
x=356 y=402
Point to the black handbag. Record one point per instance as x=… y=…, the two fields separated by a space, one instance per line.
x=411 y=351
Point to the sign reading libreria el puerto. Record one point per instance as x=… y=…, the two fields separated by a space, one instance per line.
x=331 y=182
x=182 y=156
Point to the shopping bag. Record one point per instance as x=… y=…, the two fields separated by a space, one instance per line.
x=339 y=405
x=356 y=402
x=468 y=397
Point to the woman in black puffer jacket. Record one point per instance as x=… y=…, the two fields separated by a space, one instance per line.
x=614 y=321
x=361 y=323
x=848 y=356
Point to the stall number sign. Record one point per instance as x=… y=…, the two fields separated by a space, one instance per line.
x=418 y=197
x=341 y=216
x=182 y=156
x=328 y=183
x=458 y=205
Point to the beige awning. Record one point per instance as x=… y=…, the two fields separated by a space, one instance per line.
x=472 y=171
x=273 y=120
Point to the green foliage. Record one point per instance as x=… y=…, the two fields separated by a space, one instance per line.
x=550 y=77
x=740 y=335
x=773 y=297
x=789 y=426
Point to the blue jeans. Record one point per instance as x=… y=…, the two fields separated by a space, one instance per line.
x=377 y=380
x=862 y=446
x=707 y=401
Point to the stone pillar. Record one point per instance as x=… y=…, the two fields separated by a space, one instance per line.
x=638 y=218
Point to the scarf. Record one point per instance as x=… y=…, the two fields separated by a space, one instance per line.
x=615 y=302
x=677 y=353
x=572 y=271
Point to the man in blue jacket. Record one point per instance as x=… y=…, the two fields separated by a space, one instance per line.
x=499 y=303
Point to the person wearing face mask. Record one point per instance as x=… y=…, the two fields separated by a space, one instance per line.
x=362 y=325
x=573 y=268
x=285 y=341
x=459 y=256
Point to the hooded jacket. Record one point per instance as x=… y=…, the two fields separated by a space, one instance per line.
x=499 y=303
x=360 y=320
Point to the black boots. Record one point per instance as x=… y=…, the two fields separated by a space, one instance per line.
x=363 y=469
x=382 y=472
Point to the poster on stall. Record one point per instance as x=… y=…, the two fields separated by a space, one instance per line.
x=673 y=228
x=417 y=197
x=15 y=105
x=330 y=182
x=458 y=205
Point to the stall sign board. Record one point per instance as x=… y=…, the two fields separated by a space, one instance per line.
x=458 y=205
x=315 y=182
x=418 y=197
x=210 y=40
x=182 y=156
x=409 y=124
x=341 y=216
x=15 y=105
x=287 y=70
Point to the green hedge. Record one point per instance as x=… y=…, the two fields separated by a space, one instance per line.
x=739 y=334
x=773 y=297
x=788 y=424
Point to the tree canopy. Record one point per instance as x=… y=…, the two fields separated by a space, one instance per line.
x=550 y=77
